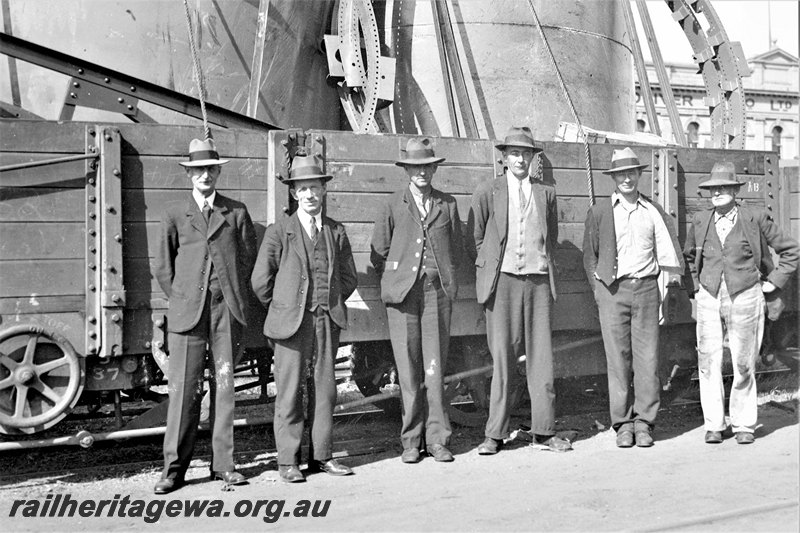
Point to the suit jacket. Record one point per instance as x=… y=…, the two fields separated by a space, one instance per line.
x=761 y=234
x=182 y=255
x=398 y=237
x=488 y=223
x=281 y=275
x=600 y=242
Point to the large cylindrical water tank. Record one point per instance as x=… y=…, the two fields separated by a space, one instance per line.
x=506 y=67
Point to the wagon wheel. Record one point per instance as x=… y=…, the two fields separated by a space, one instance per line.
x=41 y=379
x=372 y=370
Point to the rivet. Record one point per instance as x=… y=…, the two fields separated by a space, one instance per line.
x=92 y=232
x=671 y=167
x=73 y=95
x=92 y=320
x=80 y=71
x=92 y=266
x=130 y=107
x=769 y=170
x=656 y=193
x=672 y=212
x=318 y=138
x=92 y=249
x=656 y=167
x=768 y=159
x=675 y=186
x=146 y=344
x=92 y=199
x=115 y=318
x=111 y=269
x=120 y=99
x=107 y=80
x=115 y=298
x=769 y=207
x=159 y=344
x=658 y=155
x=108 y=138
x=92 y=349
x=91 y=181
x=160 y=323
x=769 y=184
x=76 y=85
x=655 y=179
x=116 y=172
x=91 y=132
x=745 y=170
x=770 y=195
x=92 y=216
x=92 y=335
x=133 y=89
x=109 y=209
x=92 y=288
x=118 y=237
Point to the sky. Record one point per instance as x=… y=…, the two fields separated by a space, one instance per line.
x=746 y=21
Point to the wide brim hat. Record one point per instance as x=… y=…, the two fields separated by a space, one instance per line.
x=622 y=160
x=722 y=175
x=305 y=167
x=202 y=154
x=519 y=137
x=418 y=152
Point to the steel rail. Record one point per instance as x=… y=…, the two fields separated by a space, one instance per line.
x=45 y=162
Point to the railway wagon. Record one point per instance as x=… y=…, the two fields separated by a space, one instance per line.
x=81 y=314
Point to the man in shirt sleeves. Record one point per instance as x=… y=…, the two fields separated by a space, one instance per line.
x=628 y=241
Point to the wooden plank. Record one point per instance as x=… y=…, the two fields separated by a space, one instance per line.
x=147 y=205
x=61 y=175
x=384 y=178
x=70 y=324
x=141 y=238
x=701 y=161
x=42 y=278
x=163 y=172
x=42 y=136
x=19 y=306
x=754 y=185
x=44 y=204
x=34 y=240
x=170 y=140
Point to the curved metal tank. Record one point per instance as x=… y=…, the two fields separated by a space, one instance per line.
x=508 y=73
x=148 y=39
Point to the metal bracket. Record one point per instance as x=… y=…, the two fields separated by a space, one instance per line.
x=87 y=94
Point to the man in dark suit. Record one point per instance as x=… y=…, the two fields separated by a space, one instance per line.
x=416 y=244
x=728 y=256
x=204 y=259
x=303 y=275
x=628 y=241
x=514 y=221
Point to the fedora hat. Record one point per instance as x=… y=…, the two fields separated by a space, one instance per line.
x=624 y=159
x=722 y=175
x=418 y=152
x=203 y=154
x=305 y=167
x=520 y=137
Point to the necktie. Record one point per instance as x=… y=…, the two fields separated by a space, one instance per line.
x=314 y=230
x=522 y=201
x=206 y=211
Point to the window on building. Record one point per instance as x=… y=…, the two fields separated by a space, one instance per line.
x=640 y=125
x=776 y=138
x=692 y=135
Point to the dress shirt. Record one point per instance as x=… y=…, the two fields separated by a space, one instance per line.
x=423 y=201
x=724 y=223
x=201 y=200
x=305 y=220
x=635 y=230
x=513 y=191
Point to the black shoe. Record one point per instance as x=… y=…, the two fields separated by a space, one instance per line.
x=331 y=466
x=713 y=437
x=167 y=485
x=440 y=453
x=231 y=477
x=625 y=439
x=490 y=446
x=410 y=455
x=291 y=474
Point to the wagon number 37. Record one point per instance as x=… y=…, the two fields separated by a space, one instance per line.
x=102 y=374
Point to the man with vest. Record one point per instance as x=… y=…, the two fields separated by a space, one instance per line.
x=203 y=263
x=416 y=244
x=728 y=257
x=514 y=223
x=303 y=275
x=628 y=241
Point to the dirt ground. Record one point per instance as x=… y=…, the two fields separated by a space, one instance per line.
x=680 y=484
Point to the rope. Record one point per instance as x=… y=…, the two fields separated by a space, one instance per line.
x=589 y=178
x=198 y=73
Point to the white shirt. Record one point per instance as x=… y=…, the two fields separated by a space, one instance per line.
x=513 y=190
x=423 y=201
x=724 y=223
x=305 y=220
x=636 y=239
x=201 y=200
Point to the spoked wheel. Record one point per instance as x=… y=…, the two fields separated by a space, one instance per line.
x=373 y=371
x=41 y=379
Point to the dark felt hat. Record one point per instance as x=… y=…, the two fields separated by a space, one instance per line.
x=305 y=167
x=519 y=137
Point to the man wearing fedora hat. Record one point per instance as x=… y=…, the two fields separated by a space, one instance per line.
x=416 y=244
x=203 y=264
x=731 y=270
x=303 y=275
x=514 y=223
x=628 y=241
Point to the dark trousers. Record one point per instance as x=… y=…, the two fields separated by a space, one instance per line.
x=629 y=323
x=306 y=360
x=518 y=323
x=218 y=330
x=419 y=328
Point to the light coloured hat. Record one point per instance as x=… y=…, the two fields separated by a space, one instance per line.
x=622 y=160
x=722 y=175
x=520 y=137
x=203 y=154
x=305 y=167
x=418 y=152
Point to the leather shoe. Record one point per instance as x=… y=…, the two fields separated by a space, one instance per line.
x=744 y=437
x=490 y=446
x=644 y=439
x=291 y=474
x=554 y=443
x=331 y=466
x=167 y=485
x=440 y=453
x=410 y=455
x=231 y=477
x=625 y=439
x=713 y=437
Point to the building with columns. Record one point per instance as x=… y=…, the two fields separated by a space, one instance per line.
x=771 y=91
